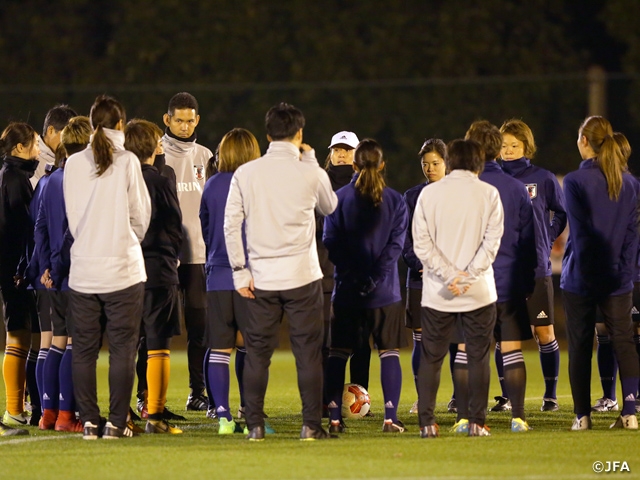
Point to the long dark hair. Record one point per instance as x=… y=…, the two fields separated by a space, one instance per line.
x=106 y=112
x=16 y=133
x=368 y=159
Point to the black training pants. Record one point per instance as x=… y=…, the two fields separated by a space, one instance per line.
x=303 y=306
x=122 y=312
x=581 y=322
x=437 y=328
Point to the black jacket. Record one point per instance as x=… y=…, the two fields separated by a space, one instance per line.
x=16 y=226
x=161 y=245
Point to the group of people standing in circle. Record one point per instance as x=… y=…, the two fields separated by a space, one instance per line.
x=131 y=229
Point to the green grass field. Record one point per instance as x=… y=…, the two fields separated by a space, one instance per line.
x=549 y=451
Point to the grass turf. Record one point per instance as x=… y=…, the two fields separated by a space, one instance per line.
x=549 y=451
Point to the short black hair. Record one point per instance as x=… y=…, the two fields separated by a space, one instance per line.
x=283 y=121
x=465 y=155
x=181 y=101
x=58 y=117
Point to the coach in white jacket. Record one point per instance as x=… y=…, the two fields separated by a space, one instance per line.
x=108 y=209
x=457 y=227
x=276 y=196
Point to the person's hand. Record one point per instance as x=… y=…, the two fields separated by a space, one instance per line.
x=18 y=280
x=247 y=292
x=456 y=287
x=366 y=287
x=46 y=279
x=305 y=147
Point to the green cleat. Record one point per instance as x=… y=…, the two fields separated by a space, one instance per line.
x=519 y=425
x=461 y=426
x=6 y=431
x=228 y=427
x=15 y=420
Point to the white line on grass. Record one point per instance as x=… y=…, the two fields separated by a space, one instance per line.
x=34 y=439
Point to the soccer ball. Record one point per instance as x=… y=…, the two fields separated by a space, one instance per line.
x=355 y=401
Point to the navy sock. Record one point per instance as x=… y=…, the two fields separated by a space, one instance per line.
x=415 y=355
x=607 y=366
x=636 y=338
x=500 y=369
x=629 y=387
x=241 y=354
x=32 y=382
x=67 y=397
x=550 y=362
x=51 y=392
x=334 y=382
x=391 y=379
x=42 y=356
x=218 y=382
x=205 y=371
x=515 y=379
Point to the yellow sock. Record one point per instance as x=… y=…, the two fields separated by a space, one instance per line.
x=13 y=370
x=158 y=371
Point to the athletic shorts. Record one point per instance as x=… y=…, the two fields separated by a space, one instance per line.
x=227 y=313
x=413 y=308
x=512 y=322
x=540 y=303
x=60 y=313
x=635 y=310
x=161 y=313
x=43 y=302
x=19 y=308
x=352 y=327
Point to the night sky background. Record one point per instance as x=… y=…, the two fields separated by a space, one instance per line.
x=399 y=72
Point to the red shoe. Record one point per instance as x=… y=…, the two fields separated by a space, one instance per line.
x=67 y=422
x=48 y=419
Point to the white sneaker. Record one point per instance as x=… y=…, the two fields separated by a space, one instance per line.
x=583 y=423
x=605 y=404
x=629 y=422
x=414 y=409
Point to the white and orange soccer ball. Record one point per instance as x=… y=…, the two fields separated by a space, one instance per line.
x=355 y=401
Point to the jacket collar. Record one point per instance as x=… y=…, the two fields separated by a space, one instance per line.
x=516 y=167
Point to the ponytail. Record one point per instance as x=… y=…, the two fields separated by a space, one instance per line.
x=106 y=112
x=611 y=149
x=368 y=160
x=613 y=165
x=102 y=150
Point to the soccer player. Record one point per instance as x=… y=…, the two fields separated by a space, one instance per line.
x=227 y=310
x=513 y=270
x=160 y=248
x=364 y=237
x=458 y=278
x=518 y=148
x=275 y=197
x=19 y=148
x=188 y=159
x=600 y=265
x=431 y=157
x=50 y=229
x=55 y=120
x=108 y=210
x=339 y=167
